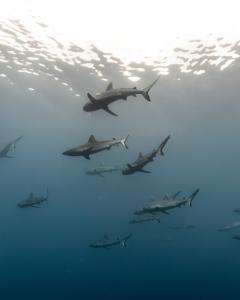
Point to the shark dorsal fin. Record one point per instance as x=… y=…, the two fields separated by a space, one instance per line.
x=31 y=196
x=140 y=155
x=109 y=86
x=91 y=139
x=165 y=197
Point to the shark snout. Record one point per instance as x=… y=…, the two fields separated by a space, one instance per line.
x=69 y=153
x=88 y=107
x=126 y=171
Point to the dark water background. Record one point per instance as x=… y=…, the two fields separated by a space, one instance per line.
x=44 y=253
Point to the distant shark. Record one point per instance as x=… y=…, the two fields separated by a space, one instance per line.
x=145 y=219
x=143 y=160
x=163 y=205
x=102 y=170
x=232 y=226
x=110 y=95
x=182 y=226
x=94 y=146
x=33 y=201
x=6 y=149
x=107 y=243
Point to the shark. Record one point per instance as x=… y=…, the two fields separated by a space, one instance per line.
x=163 y=205
x=110 y=95
x=182 y=226
x=102 y=170
x=237 y=210
x=144 y=219
x=94 y=146
x=232 y=226
x=4 y=152
x=143 y=160
x=107 y=243
x=33 y=201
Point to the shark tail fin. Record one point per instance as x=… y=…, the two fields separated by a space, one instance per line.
x=123 y=141
x=162 y=145
x=191 y=197
x=124 y=240
x=147 y=89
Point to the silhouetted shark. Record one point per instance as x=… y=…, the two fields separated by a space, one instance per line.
x=102 y=100
x=142 y=160
x=101 y=170
x=94 y=146
x=6 y=149
x=108 y=243
x=163 y=205
x=33 y=201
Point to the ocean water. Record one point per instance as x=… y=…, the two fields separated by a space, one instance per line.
x=45 y=252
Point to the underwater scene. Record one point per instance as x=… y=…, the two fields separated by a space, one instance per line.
x=119 y=173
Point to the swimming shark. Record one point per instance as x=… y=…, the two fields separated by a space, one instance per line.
x=107 y=243
x=182 y=226
x=231 y=226
x=144 y=219
x=110 y=95
x=143 y=160
x=6 y=149
x=163 y=205
x=33 y=201
x=101 y=170
x=94 y=146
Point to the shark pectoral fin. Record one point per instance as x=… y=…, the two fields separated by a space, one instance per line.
x=99 y=174
x=130 y=166
x=35 y=206
x=91 y=98
x=106 y=108
x=145 y=171
x=165 y=212
x=87 y=156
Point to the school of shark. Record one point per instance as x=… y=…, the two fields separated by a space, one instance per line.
x=154 y=208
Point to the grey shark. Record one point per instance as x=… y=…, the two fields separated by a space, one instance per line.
x=110 y=95
x=144 y=219
x=93 y=146
x=163 y=205
x=143 y=160
x=4 y=152
x=232 y=226
x=107 y=243
x=182 y=226
x=102 y=170
x=33 y=201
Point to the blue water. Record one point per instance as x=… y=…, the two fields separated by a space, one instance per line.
x=45 y=252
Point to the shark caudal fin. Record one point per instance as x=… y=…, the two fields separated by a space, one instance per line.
x=124 y=240
x=123 y=142
x=162 y=145
x=147 y=89
x=191 y=197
